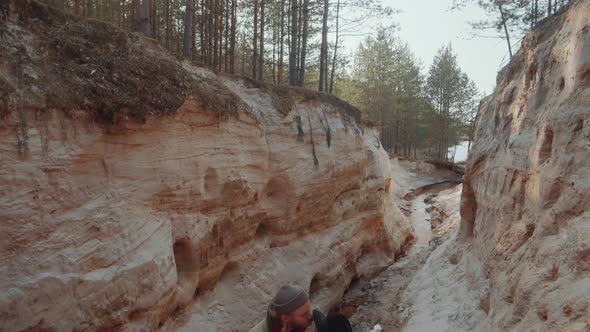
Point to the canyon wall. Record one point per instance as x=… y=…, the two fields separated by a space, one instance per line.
x=520 y=260
x=138 y=192
x=526 y=191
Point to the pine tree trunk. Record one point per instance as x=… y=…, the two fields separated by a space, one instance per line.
x=202 y=33
x=335 y=48
x=397 y=140
x=304 y=34
x=243 y=54
x=89 y=8
x=274 y=51
x=282 y=41
x=414 y=132
x=136 y=14
x=145 y=18
x=255 y=41
x=505 y=29
x=179 y=42
x=215 y=34
x=220 y=34
x=168 y=26
x=261 y=55
x=293 y=47
x=194 y=30
x=122 y=14
x=118 y=13
x=324 y=47
x=59 y=4
x=210 y=34
x=533 y=13
x=226 y=44
x=299 y=34
x=154 y=19
x=408 y=130
x=187 y=44
x=101 y=10
x=470 y=137
x=233 y=39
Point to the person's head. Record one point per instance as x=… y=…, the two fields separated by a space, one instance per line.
x=292 y=308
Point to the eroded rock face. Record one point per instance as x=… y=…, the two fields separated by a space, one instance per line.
x=527 y=188
x=189 y=218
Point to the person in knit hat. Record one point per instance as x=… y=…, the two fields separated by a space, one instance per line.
x=289 y=311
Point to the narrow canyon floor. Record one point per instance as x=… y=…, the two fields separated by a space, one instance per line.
x=430 y=198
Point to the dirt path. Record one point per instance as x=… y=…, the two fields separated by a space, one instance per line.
x=378 y=300
x=421 y=221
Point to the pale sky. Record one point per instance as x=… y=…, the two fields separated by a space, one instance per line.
x=428 y=24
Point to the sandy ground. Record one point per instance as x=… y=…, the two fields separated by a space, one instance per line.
x=390 y=298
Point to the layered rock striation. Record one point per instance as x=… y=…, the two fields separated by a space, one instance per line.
x=520 y=259
x=526 y=191
x=138 y=192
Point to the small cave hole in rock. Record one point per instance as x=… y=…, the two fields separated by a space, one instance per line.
x=530 y=75
x=211 y=179
x=198 y=292
x=579 y=125
x=136 y=314
x=529 y=230
x=468 y=210
x=300 y=133
x=496 y=120
x=546 y=146
x=184 y=260
x=229 y=268
x=484 y=304
x=314 y=286
x=354 y=282
x=561 y=84
x=542 y=313
x=261 y=230
x=229 y=274
x=553 y=194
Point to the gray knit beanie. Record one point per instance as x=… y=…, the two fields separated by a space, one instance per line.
x=288 y=299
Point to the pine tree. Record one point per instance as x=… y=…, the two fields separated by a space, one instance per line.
x=446 y=86
x=324 y=48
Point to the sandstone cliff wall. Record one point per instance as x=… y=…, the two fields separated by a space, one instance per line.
x=141 y=193
x=527 y=187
